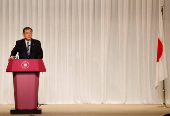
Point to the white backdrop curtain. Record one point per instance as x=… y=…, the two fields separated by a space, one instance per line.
x=95 y=51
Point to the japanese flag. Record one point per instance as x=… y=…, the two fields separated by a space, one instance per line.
x=161 y=64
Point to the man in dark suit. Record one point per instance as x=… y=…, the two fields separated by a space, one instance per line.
x=28 y=48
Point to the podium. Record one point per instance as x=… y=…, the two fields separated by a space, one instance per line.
x=26 y=83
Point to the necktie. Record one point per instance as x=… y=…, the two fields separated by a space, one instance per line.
x=28 y=52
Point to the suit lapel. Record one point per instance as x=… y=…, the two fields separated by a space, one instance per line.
x=24 y=45
x=31 y=47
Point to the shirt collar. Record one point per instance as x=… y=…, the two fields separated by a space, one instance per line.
x=28 y=41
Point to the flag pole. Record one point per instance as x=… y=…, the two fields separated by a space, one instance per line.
x=164 y=104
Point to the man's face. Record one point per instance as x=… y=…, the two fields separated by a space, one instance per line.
x=27 y=34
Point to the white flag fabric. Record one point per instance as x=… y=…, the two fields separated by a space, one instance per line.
x=161 y=65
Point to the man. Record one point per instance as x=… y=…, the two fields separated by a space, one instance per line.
x=28 y=48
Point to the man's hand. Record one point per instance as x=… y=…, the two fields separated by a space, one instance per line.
x=10 y=58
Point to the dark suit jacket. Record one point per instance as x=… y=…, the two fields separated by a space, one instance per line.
x=35 y=49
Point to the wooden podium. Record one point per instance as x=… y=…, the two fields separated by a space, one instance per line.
x=26 y=82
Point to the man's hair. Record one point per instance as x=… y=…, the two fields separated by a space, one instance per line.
x=27 y=28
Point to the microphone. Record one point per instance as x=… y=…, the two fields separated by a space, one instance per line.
x=32 y=45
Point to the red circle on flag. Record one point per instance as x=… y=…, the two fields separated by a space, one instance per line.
x=159 y=50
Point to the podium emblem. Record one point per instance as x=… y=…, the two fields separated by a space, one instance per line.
x=25 y=65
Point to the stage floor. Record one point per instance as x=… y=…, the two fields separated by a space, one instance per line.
x=94 y=110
